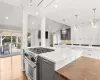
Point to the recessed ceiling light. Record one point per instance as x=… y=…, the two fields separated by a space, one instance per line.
x=6 y=17
x=29 y=12
x=32 y=22
x=49 y=26
x=56 y=6
x=37 y=13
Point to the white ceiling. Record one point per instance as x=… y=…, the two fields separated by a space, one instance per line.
x=51 y=26
x=35 y=20
x=12 y=2
x=14 y=21
x=66 y=9
x=14 y=14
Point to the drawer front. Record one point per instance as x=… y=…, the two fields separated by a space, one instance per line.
x=91 y=54
x=95 y=55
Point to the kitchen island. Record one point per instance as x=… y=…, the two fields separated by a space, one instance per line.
x=68 y=63
x=50 y=62
x=82 y=68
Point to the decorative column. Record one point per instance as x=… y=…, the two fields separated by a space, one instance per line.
x=16 y=41
x=32 y=38
x=1 y=40
x=24 y=35
x=57 y=37
x=43 y=25
x=11 y=44
x=36 y=38
x=25 y=29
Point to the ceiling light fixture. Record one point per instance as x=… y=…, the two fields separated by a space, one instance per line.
x=6 y=17
x=32 y=22
x=31 y=2
x=56 y=6
x=29 y=12
x=64 y=28
x=75 y=26
x=49 y=26
x=94 y=21
x=64 y=31
x=37 y=13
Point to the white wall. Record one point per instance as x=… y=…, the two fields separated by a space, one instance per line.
x=39 y=40
x=86 y=34
x=57 y=37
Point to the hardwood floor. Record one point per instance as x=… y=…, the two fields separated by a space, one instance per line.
x=10 y=68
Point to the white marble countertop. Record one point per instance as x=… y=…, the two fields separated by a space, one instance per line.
x=61 y=56
x=64 y=53
x=79 y=46
x=54 y=56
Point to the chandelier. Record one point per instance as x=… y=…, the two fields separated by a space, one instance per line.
x=75 y=26
x=64 y=31
x=93 y=23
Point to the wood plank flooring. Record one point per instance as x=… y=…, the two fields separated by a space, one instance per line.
x=10 y=68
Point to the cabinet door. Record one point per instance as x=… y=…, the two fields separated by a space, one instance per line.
x=95 y=55
x=48 y=72
x=57 y=77
x=87 y=53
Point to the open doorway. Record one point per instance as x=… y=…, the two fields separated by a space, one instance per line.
x=51 y=40
x=10 y=43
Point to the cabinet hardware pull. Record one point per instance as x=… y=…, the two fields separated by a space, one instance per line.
x=89 y=50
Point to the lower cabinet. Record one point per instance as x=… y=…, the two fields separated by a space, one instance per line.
x=91 y=54
x=57 y=77
x=47 y=71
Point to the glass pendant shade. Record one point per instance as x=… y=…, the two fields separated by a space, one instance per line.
x=75 y=28
x=64 y=31
x=94 y=21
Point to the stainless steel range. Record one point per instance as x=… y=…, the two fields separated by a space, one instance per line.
x=31 y=61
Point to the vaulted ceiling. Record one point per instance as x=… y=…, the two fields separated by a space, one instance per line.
x=10 y=16
x=12 y=2
x=67 y=9
x=58 y=10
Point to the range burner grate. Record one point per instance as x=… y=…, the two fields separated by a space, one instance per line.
x=40 y=50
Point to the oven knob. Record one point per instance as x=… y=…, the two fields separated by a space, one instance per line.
x=32 y=59
x=25 y=54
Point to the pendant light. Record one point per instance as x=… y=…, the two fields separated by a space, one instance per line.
x=64 y=28
x=94 y=21
x=75 y=26
x=31 y=2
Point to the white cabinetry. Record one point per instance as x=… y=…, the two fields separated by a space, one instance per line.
x=92 y=54
x=95 y=55
x=67 y=60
